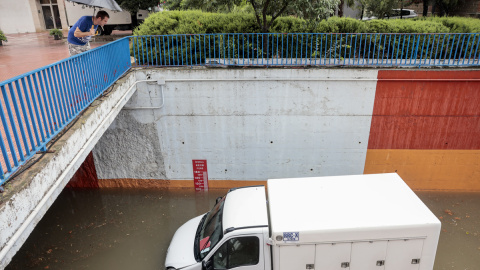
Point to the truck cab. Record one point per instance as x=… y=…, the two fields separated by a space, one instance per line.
x=234 y=234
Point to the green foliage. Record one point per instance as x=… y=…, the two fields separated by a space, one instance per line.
x=56 y=32
x=266 y=12
x=2 y=36
x=198 y=22
x=341 y=25
x=134 y=5
x=456 y=24
x=381 y=8
x=339 y=39
x=405 y=26
x=313 y=10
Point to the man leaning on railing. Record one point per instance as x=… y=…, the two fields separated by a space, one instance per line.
x=82 y=31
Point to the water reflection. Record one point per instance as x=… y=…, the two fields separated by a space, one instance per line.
x=110 y=228
x=131 y=229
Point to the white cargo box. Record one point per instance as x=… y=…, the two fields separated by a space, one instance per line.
x=350 y=222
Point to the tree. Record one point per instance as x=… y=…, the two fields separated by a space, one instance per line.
x=266 y=11
x=313 y=10
x=359 y=5
x=133 y=6
x=425 y=7
x=446 y=6
x=382 y=8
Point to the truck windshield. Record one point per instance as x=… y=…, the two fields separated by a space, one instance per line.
x=210 y=232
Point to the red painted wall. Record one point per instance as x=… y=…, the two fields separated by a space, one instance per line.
x=426 y=110
x=86 y=175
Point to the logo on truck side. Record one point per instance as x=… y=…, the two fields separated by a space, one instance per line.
x=291 y=236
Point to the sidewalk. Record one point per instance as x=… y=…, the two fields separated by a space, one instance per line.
x=29 y=51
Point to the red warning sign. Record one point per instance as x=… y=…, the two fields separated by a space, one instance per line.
x=200 y=174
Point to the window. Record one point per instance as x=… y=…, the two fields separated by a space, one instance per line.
x=240 y=251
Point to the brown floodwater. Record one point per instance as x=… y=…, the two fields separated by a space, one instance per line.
x=131 y=229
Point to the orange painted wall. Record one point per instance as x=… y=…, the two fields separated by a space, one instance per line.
x=429 y=169
x=426 y=127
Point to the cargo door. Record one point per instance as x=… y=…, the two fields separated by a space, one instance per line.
x=333 y=256
x=368 y=255
x=404 y=255
x=297 y=257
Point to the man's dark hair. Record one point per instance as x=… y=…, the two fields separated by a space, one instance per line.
x=102 y=14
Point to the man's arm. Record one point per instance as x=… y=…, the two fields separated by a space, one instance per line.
x=78 y=33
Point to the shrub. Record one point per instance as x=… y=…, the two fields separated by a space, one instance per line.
x=3 y=37
x=198 y=22
x=456 y=24
x=56 y=32
x=339 y=37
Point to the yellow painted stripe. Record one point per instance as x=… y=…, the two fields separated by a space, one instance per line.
x=158 y=183
x=455 y=170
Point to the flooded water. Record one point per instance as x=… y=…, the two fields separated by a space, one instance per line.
x=131 y=229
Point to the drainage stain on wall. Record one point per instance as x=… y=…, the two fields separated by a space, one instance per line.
x=129 y=149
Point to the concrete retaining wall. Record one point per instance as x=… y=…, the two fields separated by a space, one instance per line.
x=249 y=124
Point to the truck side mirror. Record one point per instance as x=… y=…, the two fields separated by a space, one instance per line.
x=207 y=265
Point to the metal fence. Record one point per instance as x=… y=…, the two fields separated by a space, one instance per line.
x=37 y=105
x=307 y=49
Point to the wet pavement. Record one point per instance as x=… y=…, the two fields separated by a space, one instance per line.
x=29 y=51
x=131 y=228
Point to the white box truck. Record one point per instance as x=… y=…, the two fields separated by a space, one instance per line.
x=359 y=222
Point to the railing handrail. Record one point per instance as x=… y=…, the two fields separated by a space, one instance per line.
x=307 y=49
x=302 y=33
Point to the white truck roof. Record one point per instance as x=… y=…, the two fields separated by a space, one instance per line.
x=245 y=207
x=347 y=208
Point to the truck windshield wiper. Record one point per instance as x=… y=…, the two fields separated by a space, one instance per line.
x=196 y=243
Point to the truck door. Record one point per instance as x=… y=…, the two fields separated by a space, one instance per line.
x=333 y=256
x=240 y=252
x=297 y=257
x=404 y=254
x=368 y=255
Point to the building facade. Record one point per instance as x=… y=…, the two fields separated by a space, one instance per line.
x=26 y=16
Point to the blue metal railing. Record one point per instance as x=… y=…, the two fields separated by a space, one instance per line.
x=37 y=105
x=305 y=49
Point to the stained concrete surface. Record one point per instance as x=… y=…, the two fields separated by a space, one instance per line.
x=144 y=157
x=131 y=228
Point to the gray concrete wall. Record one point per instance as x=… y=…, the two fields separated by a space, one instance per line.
x=16 y=16
x=250 y=124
